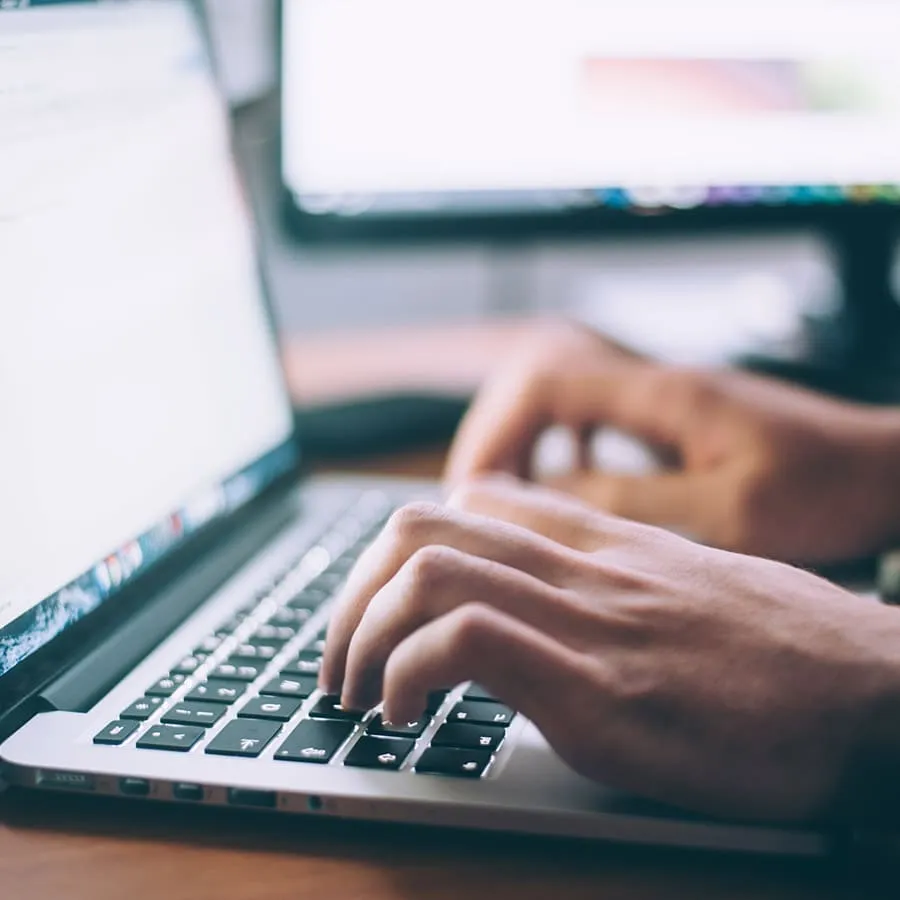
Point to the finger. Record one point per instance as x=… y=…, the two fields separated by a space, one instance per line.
x=433 y=583
x=558 y=516
x=532 y=673
x=668 y=500
x=502 y=427
x=421 y=525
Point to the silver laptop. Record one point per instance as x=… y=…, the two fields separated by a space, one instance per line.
x=165 y=571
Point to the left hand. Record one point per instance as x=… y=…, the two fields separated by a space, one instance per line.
x=722 y=683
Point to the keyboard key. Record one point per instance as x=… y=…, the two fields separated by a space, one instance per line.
x=217 y=691
x=435 y=701
x=244 y=737
x=314 y=741
x=179 y=738
x=203 y=714
x=116 y=733
x=189 y=665
x=379 y=753
x=469 y=737
x=481 y=713
x=165 y=687
x=477 y=692
x=329 y=707
x=235 y=670
x=209 y=645
x=272 y=634
x=142 y=709
x=307 y=663
x=258 y=652
x=405 y=729
x=295 y=686
x=306 y=602
x=277 y=709
x=287 y=617
x=452 y=761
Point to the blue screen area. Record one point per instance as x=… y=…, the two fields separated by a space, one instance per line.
x=140 y=383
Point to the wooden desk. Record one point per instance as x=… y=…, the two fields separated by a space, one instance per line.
x=75 y=848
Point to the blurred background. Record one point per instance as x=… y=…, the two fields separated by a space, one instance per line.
x=712 y=184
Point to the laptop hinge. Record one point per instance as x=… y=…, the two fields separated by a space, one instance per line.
x=92 y=677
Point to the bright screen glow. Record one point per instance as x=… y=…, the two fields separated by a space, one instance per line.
x=137 y=367
x=662 y=99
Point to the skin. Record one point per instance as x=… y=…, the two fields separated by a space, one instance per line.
x=748 y=463
x=722 y=683
x=686 y=672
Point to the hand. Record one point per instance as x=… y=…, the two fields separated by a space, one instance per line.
x=759 y=467
x=721 y=683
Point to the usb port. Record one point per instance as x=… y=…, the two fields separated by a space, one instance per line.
x=191 y=792
x=134 y=787
x=259 y=799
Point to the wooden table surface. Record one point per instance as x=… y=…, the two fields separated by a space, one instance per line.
x=72 y=848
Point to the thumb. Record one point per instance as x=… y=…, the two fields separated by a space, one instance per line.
x=674 y=500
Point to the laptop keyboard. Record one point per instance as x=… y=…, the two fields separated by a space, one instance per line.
x=250 y=688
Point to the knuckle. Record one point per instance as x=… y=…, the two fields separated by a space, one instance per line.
x=429 y=570
x=469 y=628
x=414 y=520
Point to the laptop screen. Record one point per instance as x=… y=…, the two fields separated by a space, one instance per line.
x=140 y=389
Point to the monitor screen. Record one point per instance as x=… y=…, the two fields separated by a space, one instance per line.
x=393 y=107
x=140 y=390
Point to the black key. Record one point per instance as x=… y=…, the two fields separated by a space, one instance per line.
x=189 y=665
x=287 y=617
x=142 y=709
x=236 y=670
x=481 y=713
x=452 y=761
x=171 y=737
x=165 y=687
x=405 y=729
x=306 y=602
x=294 y=686
x=217 y=691
x=435 y=701
x=210 y=644
x=329 y=707
x=277 y=709
x=258 y=652
x=314 y=742
x=116 y=733
x=244 y=737
x=272 y=634
x=307 y=663
x=203 y=714
x=379 y=753
x=326 y=584
x=477 y=692
x=469 y=737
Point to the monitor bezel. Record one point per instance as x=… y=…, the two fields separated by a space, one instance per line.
x=553 y=224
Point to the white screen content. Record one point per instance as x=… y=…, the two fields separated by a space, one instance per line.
x=137 y=367
x=467 y=95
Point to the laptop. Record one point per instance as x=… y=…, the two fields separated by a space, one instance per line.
x=167 y=570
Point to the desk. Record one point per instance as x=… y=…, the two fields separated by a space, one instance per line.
x=75 y=848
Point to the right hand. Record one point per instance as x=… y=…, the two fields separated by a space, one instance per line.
x=722 y=683
x=761 y=467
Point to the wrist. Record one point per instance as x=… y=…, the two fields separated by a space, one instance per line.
x=868 y=797
x=882 y=460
